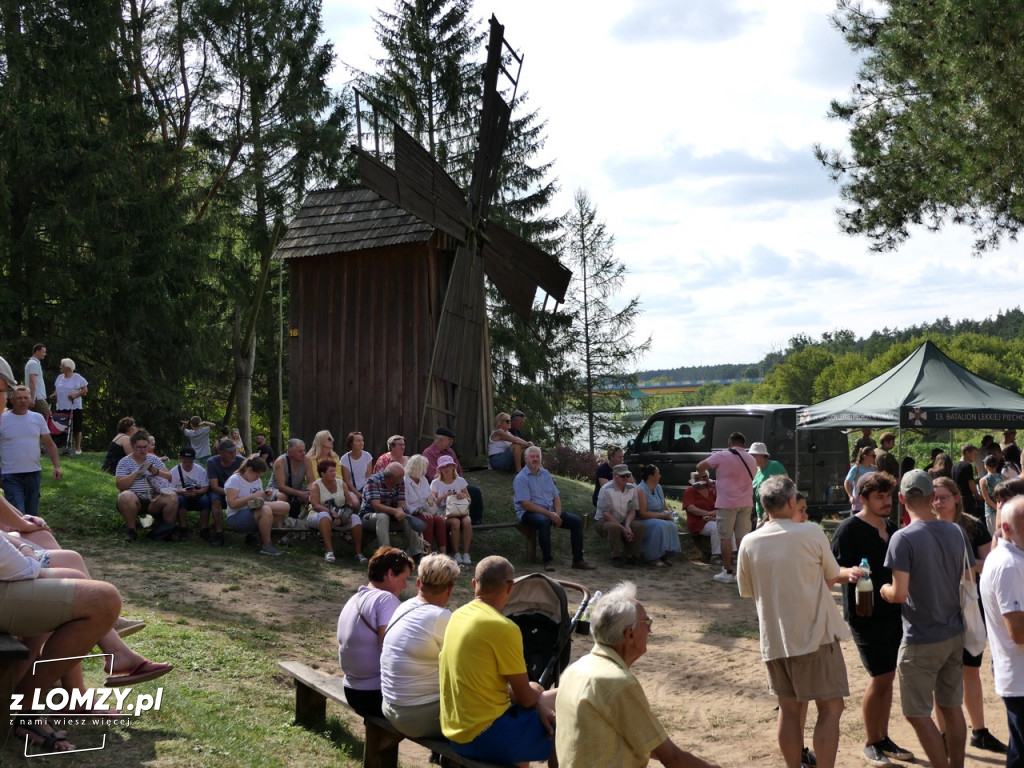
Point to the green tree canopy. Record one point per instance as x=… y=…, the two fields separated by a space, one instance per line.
x=934 y=119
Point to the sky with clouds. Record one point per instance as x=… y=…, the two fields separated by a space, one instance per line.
x=690 y=123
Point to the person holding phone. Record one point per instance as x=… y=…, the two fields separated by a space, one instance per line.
x=139 y=492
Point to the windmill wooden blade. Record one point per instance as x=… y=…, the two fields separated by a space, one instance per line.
x=515 y=265
x=422 y=189
x=494 y=120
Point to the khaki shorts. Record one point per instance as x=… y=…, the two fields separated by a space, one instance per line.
x=733 y=521
x=815 y=676
x=927 y=668
x=34 y=606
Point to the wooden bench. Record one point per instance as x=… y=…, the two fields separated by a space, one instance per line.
x=11 y=652
x=380 y=746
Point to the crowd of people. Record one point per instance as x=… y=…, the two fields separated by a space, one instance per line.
x=49 y=598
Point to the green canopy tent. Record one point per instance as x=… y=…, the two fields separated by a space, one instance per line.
x=925 y=391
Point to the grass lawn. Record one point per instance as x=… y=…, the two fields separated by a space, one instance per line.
x=224 y=617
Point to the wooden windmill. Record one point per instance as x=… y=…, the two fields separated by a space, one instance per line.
x=458 y=391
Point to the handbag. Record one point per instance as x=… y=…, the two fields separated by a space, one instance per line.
x=455 y=507
x=974 y=625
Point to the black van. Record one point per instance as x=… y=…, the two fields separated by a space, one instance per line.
x=677 y=439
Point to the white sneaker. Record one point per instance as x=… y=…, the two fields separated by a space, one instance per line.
x=329 y=557
x=724 y=577
x=465 y=559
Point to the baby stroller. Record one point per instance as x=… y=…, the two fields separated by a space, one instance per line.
x=539 y=607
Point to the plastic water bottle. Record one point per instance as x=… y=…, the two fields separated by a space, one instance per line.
x=865 y=591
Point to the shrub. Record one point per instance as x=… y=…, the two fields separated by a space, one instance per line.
x=569 y=462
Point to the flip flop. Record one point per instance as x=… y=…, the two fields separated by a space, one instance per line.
x=145 y=670
x=48 y=740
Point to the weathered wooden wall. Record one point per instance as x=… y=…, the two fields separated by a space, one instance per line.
x=363 y=326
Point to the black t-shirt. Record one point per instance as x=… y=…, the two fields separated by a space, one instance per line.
x=214 y=469
x=855 y=539
x=266 y=453
x=604 y=471
x=963 y=473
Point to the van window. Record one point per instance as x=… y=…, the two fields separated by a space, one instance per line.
x=690 y=433
x=651 y=438
x=751 y=426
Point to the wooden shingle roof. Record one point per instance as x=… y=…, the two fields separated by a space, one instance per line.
x=347 y=220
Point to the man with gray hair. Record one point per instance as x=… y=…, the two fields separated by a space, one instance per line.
x=539 y=506
x=788 y=568
x=604 y=718
x=384 y=501
x=1002 y=594
x=293 y=474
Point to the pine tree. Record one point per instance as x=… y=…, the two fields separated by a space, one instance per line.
x=607 y=351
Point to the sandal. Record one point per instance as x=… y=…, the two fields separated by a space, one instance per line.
x=40 y=737
x=145 y=670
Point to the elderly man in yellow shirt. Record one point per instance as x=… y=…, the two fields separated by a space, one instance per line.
x=604 y=720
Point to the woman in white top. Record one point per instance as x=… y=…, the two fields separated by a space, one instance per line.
x=355 y=468
x=505 y=450
x=423 y=503
x=250 y=508
x=412 y=644
x=327 y=497
x=68 y=389
x=453 y=498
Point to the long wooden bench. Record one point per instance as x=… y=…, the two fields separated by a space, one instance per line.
x=380 y=745
x=11 y=652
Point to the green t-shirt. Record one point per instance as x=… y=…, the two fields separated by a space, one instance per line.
x=771 y=468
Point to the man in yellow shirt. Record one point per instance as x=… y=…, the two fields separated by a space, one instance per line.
x=604 y=720
x=481 y=663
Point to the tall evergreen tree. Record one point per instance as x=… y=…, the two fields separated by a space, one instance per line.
x=607 y=348
x=934 y=119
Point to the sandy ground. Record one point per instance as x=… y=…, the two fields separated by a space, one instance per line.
x=704 y=676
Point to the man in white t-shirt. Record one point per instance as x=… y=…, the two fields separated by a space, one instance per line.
x=190 y=482
x=34 y=380
x=21 y=430
x=1002 y=595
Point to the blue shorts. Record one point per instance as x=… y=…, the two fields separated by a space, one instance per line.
x=503 y=461
x=242 y=521
x=518 y=736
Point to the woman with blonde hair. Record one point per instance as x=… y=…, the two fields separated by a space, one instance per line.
x=322 y=448
x=422 y=502
x=505 y=450
x=452 y=495
x=395 y=452
x=947 y=505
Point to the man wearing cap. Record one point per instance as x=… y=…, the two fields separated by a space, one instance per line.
x=926 y=559
x=766 y=467
x=539 y=506
x=442 y=446
x=190 y=482
x=34 y=380
x=218 y=469
x=616 y=517
x=21 y=430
